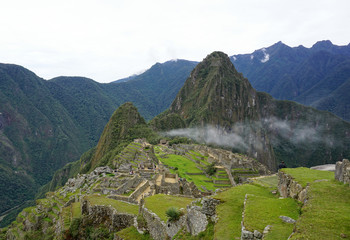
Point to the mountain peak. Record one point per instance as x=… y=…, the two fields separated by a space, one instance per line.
x=117 y=130
x=322 y=45
x=213 y=87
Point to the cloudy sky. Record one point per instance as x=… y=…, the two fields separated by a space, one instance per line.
x=110 y=39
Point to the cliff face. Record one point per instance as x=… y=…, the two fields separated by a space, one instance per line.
x=217 y=95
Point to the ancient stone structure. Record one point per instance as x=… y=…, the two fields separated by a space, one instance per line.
x=107 y=216
x=342 y=171
x=195 y=220
x=287 y=187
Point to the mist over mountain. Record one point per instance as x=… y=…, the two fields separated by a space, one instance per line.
x=218 y=105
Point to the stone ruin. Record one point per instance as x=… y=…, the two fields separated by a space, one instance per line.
x=195 y=220
x=342 y=171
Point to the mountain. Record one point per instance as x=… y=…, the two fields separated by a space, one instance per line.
x=153 y=91
x=37 y=135
x=47 y=124
x=176 y=191
x=125 y=125
x=271 y=130
x=316 y=76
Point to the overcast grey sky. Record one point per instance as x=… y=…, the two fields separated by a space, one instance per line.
x=110 y=39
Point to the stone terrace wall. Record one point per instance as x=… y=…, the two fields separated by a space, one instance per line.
x=287 y=187
x=106 y=215
x=342 y=171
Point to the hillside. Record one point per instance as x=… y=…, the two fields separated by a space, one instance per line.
x=37 y=135
x=46 y=124
x=316 y=76
x=218 y=105
x=183 y=191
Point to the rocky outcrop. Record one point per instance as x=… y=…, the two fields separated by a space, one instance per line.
x=342 y=171
x=287 y=187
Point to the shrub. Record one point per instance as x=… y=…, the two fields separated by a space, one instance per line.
x=173 y=214
x=211 y=170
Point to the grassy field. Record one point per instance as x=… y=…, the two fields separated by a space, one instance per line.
x=230 y=210
x=306 y=175
x=263 y=208
x=160 y=203
x=122 y=207
x=183 y=166
x=326 y=215
x=263 y=211
x=269 y=182
x=76 y=210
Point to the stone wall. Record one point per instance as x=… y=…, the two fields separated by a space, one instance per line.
x=132 y=183
x=139 y=191
x=96 y=215
x=156 y=227
x=194 y=221
x=342 y=171
x=287 y=187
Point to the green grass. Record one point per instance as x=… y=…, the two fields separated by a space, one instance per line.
x=160 y=203
x=306 y=175
x=184 y=165
x=66 y=216
x=263 y=211
x=131 y=233
x=208 y=234
x=76 y=210
x=326 y=215
x=230 y=211
x=122 y=207
x=269 y=182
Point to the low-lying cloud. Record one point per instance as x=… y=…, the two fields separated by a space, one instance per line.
x=211 y=135
x=243 y=136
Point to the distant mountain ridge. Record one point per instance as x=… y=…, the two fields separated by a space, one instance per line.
x=318 y=76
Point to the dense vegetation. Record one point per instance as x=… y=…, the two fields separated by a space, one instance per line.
x=46 y=124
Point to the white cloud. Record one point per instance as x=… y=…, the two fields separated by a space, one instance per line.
x=266 y=56
x=107 y=40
